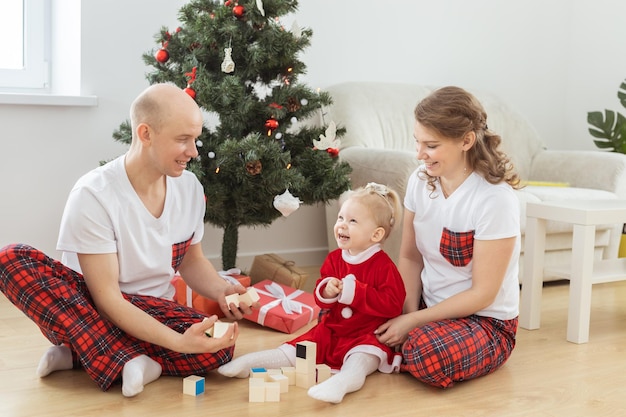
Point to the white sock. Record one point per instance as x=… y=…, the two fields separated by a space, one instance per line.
x=57 y=358
x=350 y=378
x=240 y=367
x=138 y=372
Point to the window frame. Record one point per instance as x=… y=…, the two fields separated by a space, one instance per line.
x=35 y=75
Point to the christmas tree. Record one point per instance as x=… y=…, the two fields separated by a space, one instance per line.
x=241 y=66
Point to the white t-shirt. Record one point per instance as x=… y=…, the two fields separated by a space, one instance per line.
x=489 y=211
x=104 y=214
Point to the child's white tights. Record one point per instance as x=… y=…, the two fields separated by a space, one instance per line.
x=350 y=378
x=269 y=359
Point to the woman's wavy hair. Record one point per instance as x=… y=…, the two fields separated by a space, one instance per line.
x=453 y=112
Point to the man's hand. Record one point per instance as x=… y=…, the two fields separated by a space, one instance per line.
x=195 y=340
x=231 y=310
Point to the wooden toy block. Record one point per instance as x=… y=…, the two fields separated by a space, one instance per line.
x=306 y=356
x=290 y=373
x=193 y=385
x=323 y=372
x=250 y=297
x=260 y=373
x=218 y=329
x=305 y=380
x=282 y=380
x=232 y=299
x=272 y=391
x=256 y=390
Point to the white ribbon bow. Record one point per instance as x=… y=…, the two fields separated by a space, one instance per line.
x=287 y=302
x=227 y=275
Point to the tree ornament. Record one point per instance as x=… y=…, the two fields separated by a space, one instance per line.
x=259 y=5
x=286 y=203
x=239 y=11
x=329 y=140
x=295 y=30
x=293 y=105
x=162 y=56
x=192 y=78
x=271 y=125
x=190 y=91
x=228 y=65
x=254 y=167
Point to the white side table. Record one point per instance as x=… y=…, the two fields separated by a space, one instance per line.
x=582 y=273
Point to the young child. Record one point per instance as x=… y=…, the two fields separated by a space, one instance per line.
x=359 y=289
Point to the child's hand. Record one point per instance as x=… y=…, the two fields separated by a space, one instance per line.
x=333 y=288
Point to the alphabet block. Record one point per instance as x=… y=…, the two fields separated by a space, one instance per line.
x=193 y=385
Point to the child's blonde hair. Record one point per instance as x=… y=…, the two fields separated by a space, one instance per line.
x=383 y=203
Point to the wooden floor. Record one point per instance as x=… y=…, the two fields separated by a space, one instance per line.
x=545 y=376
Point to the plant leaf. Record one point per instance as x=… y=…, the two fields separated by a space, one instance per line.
x=621 y=93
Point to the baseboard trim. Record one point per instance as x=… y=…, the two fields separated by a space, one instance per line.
x=306 y=257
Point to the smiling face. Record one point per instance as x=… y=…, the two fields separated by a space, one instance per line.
x=442 y=157
x=166 y=123
x=355 y=228
x=174 y=145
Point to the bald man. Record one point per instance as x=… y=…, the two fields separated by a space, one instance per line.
x=127 y=227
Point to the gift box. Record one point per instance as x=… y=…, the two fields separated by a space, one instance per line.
x=283 y=308
x=186 y=296
x=273 y=267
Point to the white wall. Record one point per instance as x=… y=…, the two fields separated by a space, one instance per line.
x=552 y=60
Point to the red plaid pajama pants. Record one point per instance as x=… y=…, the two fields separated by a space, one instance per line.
x=56 y=298
x=444 y=352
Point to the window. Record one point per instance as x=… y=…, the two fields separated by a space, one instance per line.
x=24 y=60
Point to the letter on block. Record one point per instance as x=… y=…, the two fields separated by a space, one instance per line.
x=193 y=385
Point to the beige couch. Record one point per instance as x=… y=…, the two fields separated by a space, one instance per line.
x=379 y=146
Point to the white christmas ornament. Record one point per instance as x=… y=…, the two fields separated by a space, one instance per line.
x=295 y=30
x=286 y=203
x=259 y=5
x=228 y=65
x=329 y=139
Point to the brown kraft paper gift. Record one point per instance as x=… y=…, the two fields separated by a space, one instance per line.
x=273 y=267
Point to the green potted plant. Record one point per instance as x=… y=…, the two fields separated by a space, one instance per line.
x=609 y=131
x=609 y=128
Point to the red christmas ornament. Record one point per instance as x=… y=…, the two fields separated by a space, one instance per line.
x=271 y=124
x=333 y=152
x=239 y=11
x=227 y=3
x=191 y=92
x=162 y=56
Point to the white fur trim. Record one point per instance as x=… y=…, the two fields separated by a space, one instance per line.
x=349 y=288
x=319 y=294
x=383 y=366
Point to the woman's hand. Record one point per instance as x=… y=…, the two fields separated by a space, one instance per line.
x=395 y=331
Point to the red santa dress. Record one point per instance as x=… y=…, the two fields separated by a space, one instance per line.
x=373 y=292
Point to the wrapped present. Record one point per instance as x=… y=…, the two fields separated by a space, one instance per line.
x=283 y=308
x=273 y=267
x=186 y=296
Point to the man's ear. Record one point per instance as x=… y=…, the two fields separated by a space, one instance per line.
x=143 y=133
x=378 y=235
